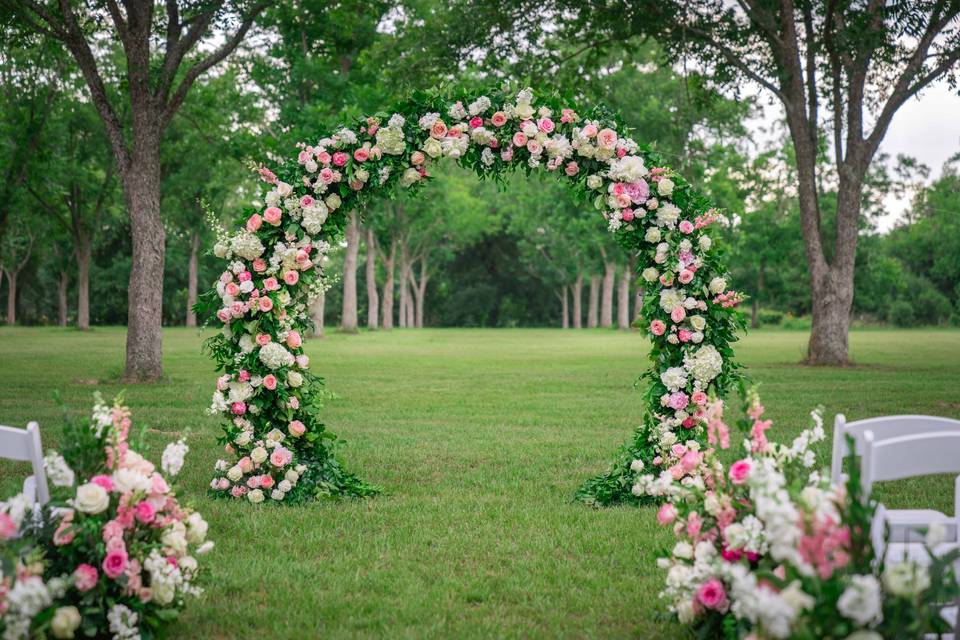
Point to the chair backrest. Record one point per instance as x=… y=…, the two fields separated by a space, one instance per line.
x=908 y=456
x=883 y=428
x=24 y=446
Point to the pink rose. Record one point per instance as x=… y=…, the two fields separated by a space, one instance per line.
x=104 y=481
x=546 y=125
x=303 y=361
x=685 y=276
x=534 y=147
x=699 y=398
x=323 y=157
x=475 y=122
x=417 y=157
x=294 y=402
x=245 y=464
x=361 y=155
x=145 y=512
x=657 y=327
x=340 y=158
x=112 y=529
x=232 y=289
x=253 y=482
x=666 y=514
x=254 y=222
x=263 y=339
x=606 y=138
x=293 y=339
x=519 y=139
x=272 y=215
x=686 y=227
x=678 y=314
x=627 y=215
x=291 y=277
x=158 y=485
x=498 y=119
x=327 y=175
x=438 y=130
x=238 y=408
x=244 y=375
x=571 y=169
x=64 y=533
x=271 y=284
x=739 y=471
x=85 y=577
x=589 y=131
x=684 y=335
x=712 y=595
x=297 y=428
x=223 y=315
x=278 y=458
x=306 y=201
x=115 y=563
x=265 y=304
x=678 y=400
x=266 y=481
x=270 y=381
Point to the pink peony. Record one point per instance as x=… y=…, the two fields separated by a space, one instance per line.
x=686 y=227
x=666 y=514
x=112 y=529
x=270 y=381
x=712 y=595
x=297 y=428
x=684 y=335
x=627 y=215
x=115 y=563
x=85 y=577
x=678 y=400
x=606 y=138
x=657 y=327
x=272 y=215
x=244 y=375
x=475 y=122
x=291 y=277
x=253 y=482
x=254 y=222
x=739 y=471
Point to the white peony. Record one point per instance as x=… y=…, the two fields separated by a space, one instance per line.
x=668 y=214
x=627 y=169
x=683 y=550
x=861 y=601
x=125 y=480
x=670 y=299
x=705 y=243
x=674 y=378
x=91 y=498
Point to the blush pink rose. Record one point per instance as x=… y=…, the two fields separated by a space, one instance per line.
x=685 y=276
x=291 y=277
x=323 y=157
x=417 y=157
x=270 y=381
x=340 y=158
x=253 y=482
x=606 y=138
x=546 y=125
x=657 y=327
x=294 y=402
x=519 y=139
x=232 y=289
x=589 y=131
x=627 y=215
x=438 y=130
x=739 y=471
x=265 y=304
x=699 y=398
x=498 y=119
x=266 y=481
x=272 y=215
x=271 y=284
x=115 y=563
x=361 y=155
x=85 y=577
x=678 y=314
x=245 y=464
x=684 y=335
x=263 y=339
x=294 y=340
x=297 y=428
x=278 y=458
x=571 y=169
x=666 y=514
x=303 y=361
x=254 y=222
x=244 y=375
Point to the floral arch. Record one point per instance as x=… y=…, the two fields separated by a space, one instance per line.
x=278 y=446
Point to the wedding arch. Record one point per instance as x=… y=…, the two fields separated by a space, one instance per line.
x=274 y=437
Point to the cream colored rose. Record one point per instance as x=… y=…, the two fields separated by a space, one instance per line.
x=196 y=528
x=665 y=186
x=66 y=620
x=524 y=110
x=91 y=498
x=292 y=476
x=698 y=322
x=333 y=201
x=718 y=285
x=294 y=379
x=653 y=235
x=243 y=438
x=234 y=473
x=594 y=182
x=650 y=274
x=705 y=243
x=255 y=496
x=258 y=455
x=163 y=592
x=432 y=148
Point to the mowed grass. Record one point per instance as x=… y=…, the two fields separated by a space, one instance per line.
x=479 y=439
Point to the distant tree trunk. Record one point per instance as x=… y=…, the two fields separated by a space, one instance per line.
x=404 y=285
x=755 y=310
x=191 y=320
x=563 y=294
x=606 y=308
x=388 y=264
x=373 y=298
x=317 y=309
x=62 y=297
x=577 y=290
x=83 y=252
x=411 y=312
x=11 y=297
x=348 y=316
x=623 y=299
x=592 y=309
x=420 y=289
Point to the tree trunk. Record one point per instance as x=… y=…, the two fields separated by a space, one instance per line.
x=755 y=310
x=388 y=286
x=419 y=291
x=606 y=308
x=12 y=297
x=411 y=312
x=404 y=285
x=141 y=190
x=623 y=299
x=373 y=298
x=62 y=307
x=638 y=304
x=577 y=290
x=594 y=302
x=317 y=309
x=564 y=307
x=832 y=299
x=84 y=251
x=348 y=316
x=192 y=269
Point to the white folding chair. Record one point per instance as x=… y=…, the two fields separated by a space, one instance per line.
x=903 y=522
x=907 y=457
x=24 y=446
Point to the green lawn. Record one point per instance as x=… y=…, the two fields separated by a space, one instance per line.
x=480 y=438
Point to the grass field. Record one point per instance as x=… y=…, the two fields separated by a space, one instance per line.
x=479 y=438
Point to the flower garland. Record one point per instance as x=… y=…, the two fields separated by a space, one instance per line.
x=279 y=447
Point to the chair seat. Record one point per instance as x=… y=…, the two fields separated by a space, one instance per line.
x=909 y=525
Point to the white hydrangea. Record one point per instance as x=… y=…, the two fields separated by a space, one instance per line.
x=486 y=157
x=123 y=623
x=397 y=121
x=246 y=245
x=704 y=364
x=426 y=121
x=478 y=106
x=314 y=216
x=274 y=356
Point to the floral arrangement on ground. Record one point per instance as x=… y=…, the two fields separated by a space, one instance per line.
x=278 y=447
x=768 y=548
x=114 y=554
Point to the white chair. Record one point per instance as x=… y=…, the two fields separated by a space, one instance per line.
x=907 y=457
x=24 y=446
x=903 y=522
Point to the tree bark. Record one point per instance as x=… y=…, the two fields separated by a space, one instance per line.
x=577 y=289
x=594 y=302
x=11 y=297
x=404 y=313
x=62 y=306
x=317 y=309
x=141 y=189
x=388 y=264
x=563 y=294
x=420 y=290
x=606 y=308
x=192 y=269
x=348 y=316
x=623 y=299
x=83 y=253
x=373 y=298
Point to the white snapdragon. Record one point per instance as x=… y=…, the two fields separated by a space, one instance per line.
x=172 y=459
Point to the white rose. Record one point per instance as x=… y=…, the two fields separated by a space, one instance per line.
x=906 y=579
x=284 y=189
x=277 y=494
x=292 y=476
x=711 y=504
x=91 y=498
x=636 y=466
x=652 y=235
x=243 y=438
x=665 y=186
x=196 y=528
x=432 y=148
x=705 y=242
x=294 y=379
x=220 y=250
x=683 y=550
x=284 y=485
x=163 y=592
x=718 y=285
x=861 y=601
x=523 y=110
x=258 y=455
x=65 y=622
x=650 y=274
x=698 y=322
x=594 y=182
x=255 y=496
x=126 y=480
x=234 y=473
x=333 y=202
